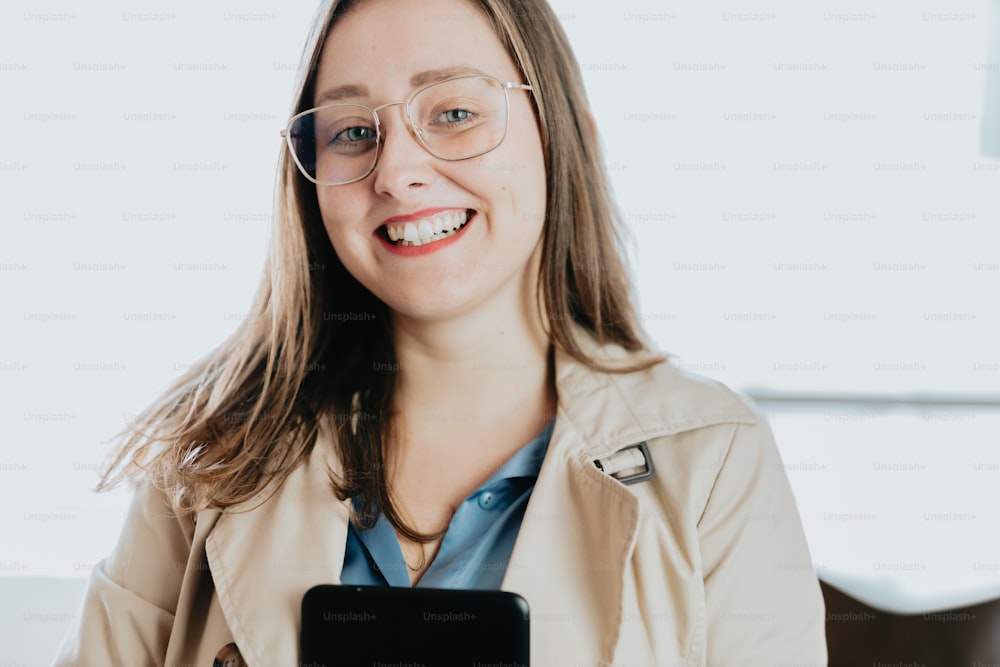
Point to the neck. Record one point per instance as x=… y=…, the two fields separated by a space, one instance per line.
x=471 y=389
x=473 y=371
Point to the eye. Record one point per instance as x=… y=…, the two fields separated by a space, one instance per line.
x=353 y=135
x=454 y=116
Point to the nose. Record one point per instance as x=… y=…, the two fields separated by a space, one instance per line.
x=403 y=164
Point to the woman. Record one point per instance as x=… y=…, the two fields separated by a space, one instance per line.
x=445 y=314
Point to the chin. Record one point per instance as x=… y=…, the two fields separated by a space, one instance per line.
x=424 y=310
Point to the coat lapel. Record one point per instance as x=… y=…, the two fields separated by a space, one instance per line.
x=579 y=532
x=580 y=526
x=570 y=555
x=263 y=561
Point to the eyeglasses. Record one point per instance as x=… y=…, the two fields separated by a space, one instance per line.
x=455 y=119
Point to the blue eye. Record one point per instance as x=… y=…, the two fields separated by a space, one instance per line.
x=456 y=115
x=354 y=135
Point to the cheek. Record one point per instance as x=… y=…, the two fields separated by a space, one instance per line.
x=529 y=193
x=530 y=174
x=335 y=210
x=516 y=177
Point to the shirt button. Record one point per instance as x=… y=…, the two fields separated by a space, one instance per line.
x=487 y=500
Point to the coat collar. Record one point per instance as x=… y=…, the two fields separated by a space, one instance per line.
x=580 y=527
x=614 y=410
x=571 y=552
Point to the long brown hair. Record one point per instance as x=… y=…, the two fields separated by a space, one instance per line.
x=318 y=345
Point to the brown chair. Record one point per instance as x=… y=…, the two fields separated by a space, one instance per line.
x=861 y=636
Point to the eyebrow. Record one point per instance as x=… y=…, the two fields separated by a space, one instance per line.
x=418 y=80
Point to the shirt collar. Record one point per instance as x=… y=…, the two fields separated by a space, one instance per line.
x=527 y=461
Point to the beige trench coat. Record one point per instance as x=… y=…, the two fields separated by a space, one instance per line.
x=705 y=564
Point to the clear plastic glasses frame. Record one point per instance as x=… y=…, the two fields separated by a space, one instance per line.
x=291 y=136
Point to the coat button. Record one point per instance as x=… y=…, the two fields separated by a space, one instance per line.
x=229 y=656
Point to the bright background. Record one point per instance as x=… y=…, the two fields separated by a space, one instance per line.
x=813 y=211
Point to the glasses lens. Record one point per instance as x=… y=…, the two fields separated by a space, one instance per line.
x=461 y=118
x=335 y=144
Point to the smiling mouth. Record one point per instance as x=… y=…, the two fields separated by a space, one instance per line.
x=427 y=230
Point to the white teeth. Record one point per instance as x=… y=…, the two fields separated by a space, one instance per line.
x=425 y=229
x=410 y=232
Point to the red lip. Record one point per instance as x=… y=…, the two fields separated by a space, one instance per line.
x=417 y=215
x=421 y=250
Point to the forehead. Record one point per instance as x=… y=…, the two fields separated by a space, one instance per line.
x=383 y=46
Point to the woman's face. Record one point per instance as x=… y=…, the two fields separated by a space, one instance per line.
x=384 y=48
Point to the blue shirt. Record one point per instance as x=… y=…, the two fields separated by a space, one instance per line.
x=477 y=545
